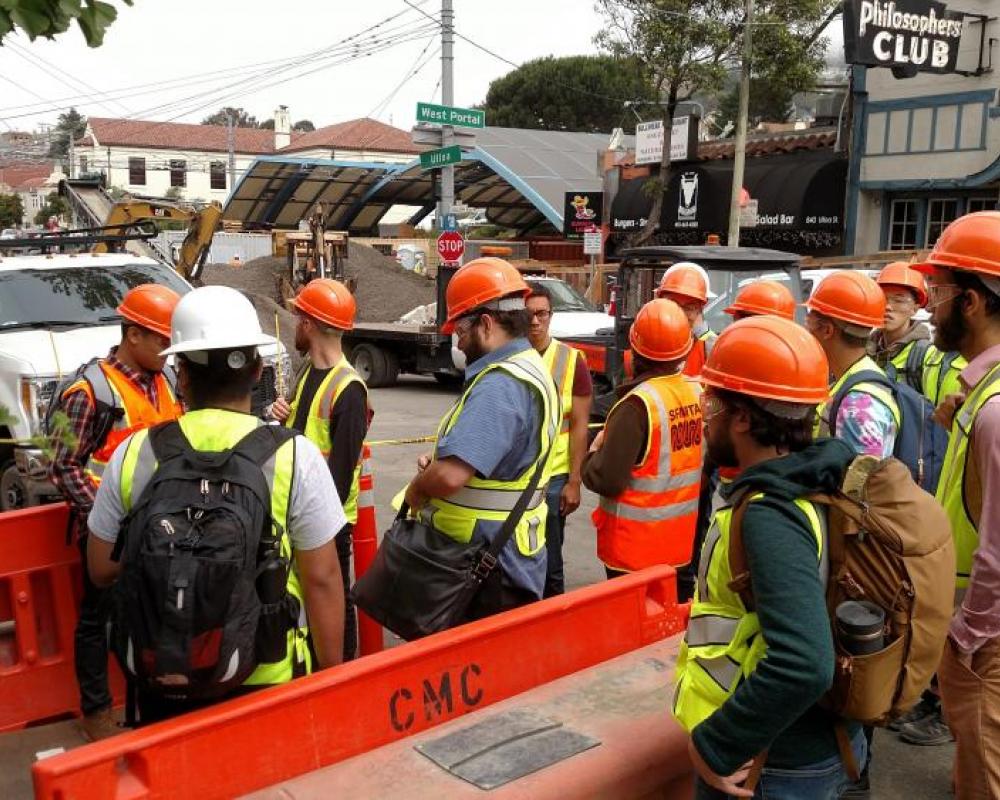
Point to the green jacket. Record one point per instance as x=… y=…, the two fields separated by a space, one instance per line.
x=775 y=707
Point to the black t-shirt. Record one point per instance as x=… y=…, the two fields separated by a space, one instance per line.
x=348 y=427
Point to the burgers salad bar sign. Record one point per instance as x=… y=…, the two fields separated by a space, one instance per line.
x=909 y=35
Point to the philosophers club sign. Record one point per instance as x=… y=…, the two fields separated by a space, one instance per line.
x=911 y=35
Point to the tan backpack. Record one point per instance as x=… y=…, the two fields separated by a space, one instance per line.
x=888 y=542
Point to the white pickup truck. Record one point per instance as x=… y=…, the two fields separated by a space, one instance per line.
x=56 y=313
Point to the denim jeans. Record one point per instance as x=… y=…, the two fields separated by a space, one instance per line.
x=555 y=525
x=824 y=780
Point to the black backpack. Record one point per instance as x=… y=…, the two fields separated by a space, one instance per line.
x=920 y=442
x=197 y=551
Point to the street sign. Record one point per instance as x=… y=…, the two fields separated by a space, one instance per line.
x=450 y=221
x=449 y=115
x=432 y=159
x=748 y=214
x=592 y=243
x=451 y=247
x=431 y=135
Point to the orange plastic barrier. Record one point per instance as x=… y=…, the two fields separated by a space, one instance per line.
x=40 y=589
x=255 y=741
x=365 y=540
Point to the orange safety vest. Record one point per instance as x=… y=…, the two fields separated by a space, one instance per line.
x=699 y=353
x=137 y=411
x=653 y=520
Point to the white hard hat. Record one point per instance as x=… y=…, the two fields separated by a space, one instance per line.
x=711 y=295
x=214 y=318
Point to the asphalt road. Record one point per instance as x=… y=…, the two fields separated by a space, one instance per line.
x=413 y=408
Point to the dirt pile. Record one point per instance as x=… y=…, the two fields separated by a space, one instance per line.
x=384 y=290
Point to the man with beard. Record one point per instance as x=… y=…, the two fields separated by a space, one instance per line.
x=646 y=464
x=330 y=408
x=736 y=696
x=903 y=345
x=494 y=437
x=964 y=274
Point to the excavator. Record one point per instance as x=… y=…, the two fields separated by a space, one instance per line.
x=93 y=205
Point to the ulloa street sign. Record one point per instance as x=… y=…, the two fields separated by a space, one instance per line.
x=449 y=115
x=432 y=159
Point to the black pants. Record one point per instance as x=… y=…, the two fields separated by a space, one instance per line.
x=555 y=527
x=344 y=539
x=495 y=596
x=153 y=708
x=91 y=642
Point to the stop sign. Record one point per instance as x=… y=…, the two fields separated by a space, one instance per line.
x=451 y=247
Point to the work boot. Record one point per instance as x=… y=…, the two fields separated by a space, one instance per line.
x=100 y=725
x=858 y=791
x=929 y=731
x=922 y=709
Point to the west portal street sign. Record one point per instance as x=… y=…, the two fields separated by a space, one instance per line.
x=449 y=115
x=442 y=157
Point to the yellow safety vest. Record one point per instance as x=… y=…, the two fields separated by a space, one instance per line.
x=318 y=421
x=822 y=425
x=561 y=362
x=934 y=385
x=482 y=500
x=724 y=643
x=215 y=430
x=951 y=492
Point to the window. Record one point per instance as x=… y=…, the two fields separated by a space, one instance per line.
x=137 y=171
x=939 y=214
x=903 y=225
x=217 y=174
x=982 y=204
x=178 y=173
x=83 y=165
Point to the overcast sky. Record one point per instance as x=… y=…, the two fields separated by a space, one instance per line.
x=196 y=40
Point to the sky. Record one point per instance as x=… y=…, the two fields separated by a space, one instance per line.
x=182 y=56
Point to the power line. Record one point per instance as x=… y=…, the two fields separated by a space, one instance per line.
x=415 y=68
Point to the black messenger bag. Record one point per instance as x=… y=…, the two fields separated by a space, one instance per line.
x=422 y=581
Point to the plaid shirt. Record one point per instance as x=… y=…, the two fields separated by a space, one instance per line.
x=66 y=468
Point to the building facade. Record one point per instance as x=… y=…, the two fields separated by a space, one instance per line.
x=32 y=182
x=925 y=148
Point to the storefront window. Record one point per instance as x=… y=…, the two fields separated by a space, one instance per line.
x=939 y=214
x=903 y=226
x=982 y=204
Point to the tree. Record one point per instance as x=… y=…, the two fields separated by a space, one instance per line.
x=11 y=210
x=575 y=93
x=241 y=118
x=303 y=126
x=769 y=102
x=71 y=125
x=47 y=18
x=55 y=206
x=689 y=46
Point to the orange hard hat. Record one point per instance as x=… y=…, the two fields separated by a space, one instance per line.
x=970 y=243
x=150 y=306
x=685 y=282
x=661 y=331
x=481 y=281
x=903 y=275
x=328 y=301
x=850 y=297
x=764 y=297
x=769 y=357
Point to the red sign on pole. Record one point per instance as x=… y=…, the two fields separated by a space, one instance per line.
x=451 y=247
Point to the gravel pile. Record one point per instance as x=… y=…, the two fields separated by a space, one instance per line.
x=384 y=290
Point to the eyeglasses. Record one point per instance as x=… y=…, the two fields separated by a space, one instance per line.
x=939 y=293
x=899 y=303
x=540 y=315
x=711 y=406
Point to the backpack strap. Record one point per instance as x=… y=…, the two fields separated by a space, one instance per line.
x=914 y=369
x=739 y=568
x=864 y=376
x=263 y=442
x=168 y=441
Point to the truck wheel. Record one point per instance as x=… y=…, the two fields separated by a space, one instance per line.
x=391 y=368
x=12 y=491
x=373 y=366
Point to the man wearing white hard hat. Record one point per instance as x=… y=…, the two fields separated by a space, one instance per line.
x=686 y=283
x=193 y=625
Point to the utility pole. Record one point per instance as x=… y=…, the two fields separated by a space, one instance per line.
x=72 y=157
x=448 y=99
x=231 y=148
x=739 y=155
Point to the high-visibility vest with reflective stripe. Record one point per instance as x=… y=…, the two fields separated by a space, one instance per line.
x=653 y=520
x=108 y=386
x=703 y=344
x=724 y=643
x=318 y=421
x=951 y=489
x=561 y=360
x=481 y=500
x=823 y=426
x=215 y=430
x=934 y=381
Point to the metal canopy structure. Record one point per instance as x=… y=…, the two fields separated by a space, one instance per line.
x=519 y=176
